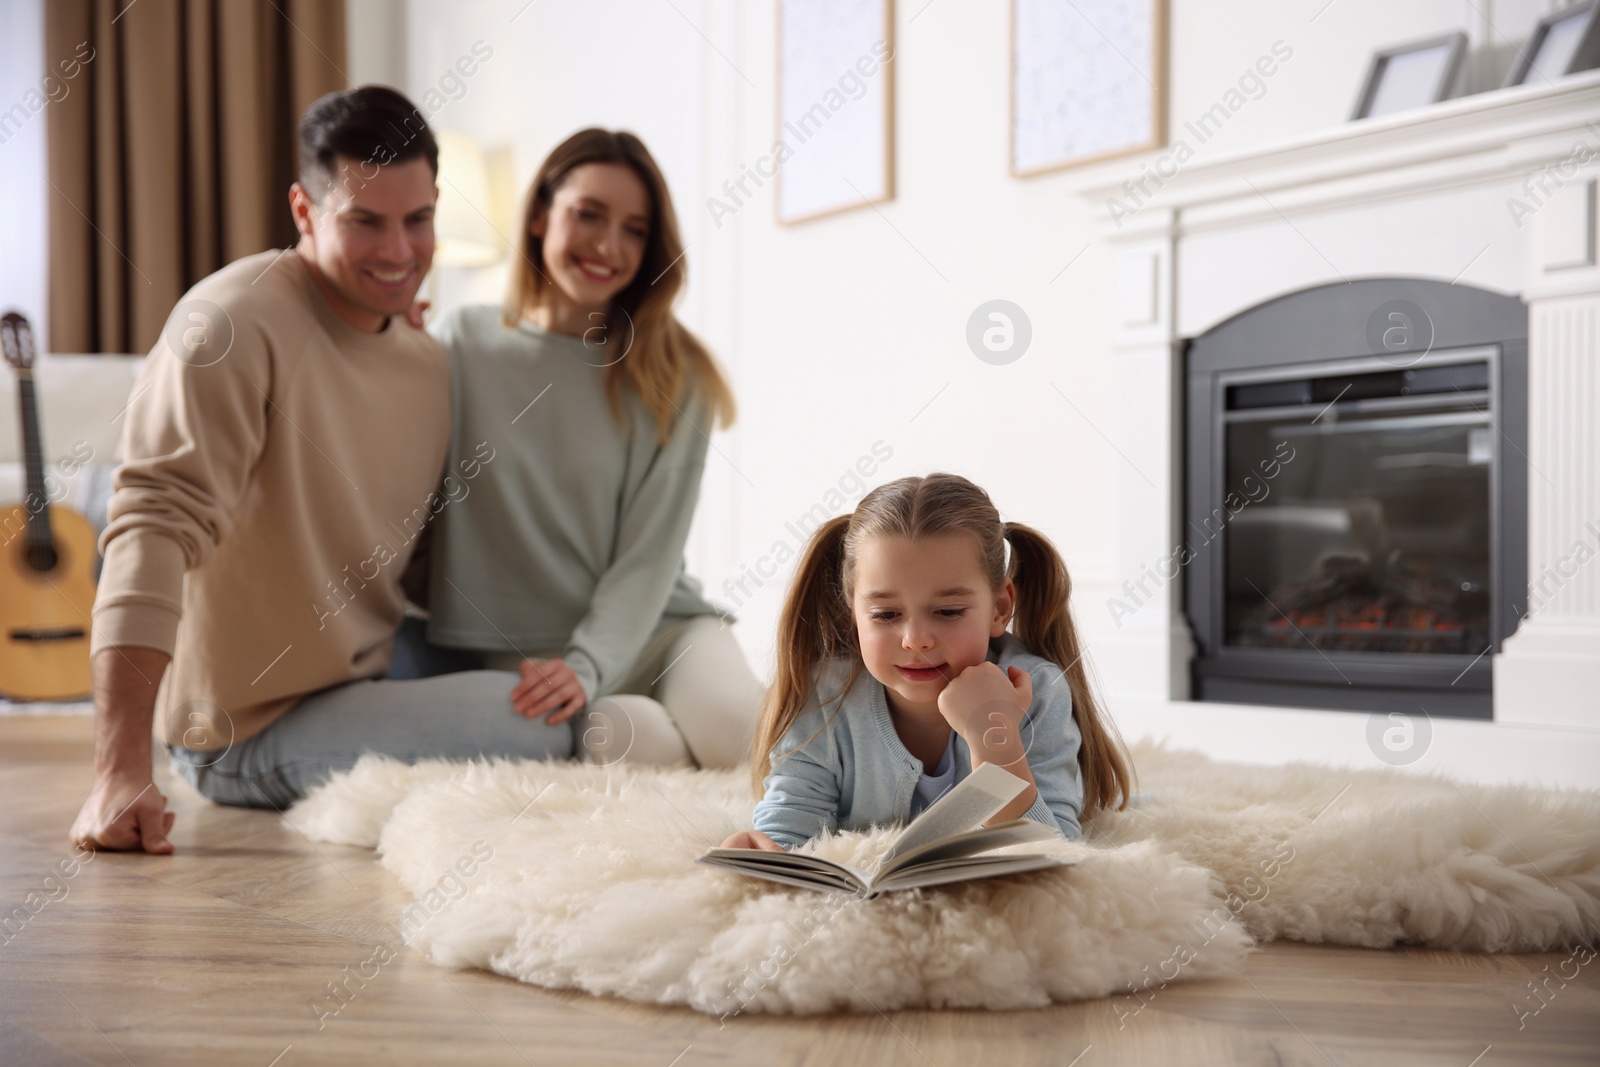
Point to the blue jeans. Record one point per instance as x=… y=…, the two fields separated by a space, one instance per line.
x=416 y=657
x=457 y=716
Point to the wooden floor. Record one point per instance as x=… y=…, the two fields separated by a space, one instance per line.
x=217 y=954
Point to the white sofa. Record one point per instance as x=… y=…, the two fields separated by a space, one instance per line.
x=82 y=401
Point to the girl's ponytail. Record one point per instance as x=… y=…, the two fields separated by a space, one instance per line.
x=815 y=627
x=1044 y=624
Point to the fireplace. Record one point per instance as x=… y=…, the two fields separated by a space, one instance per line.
x=1355 y=499
x=1277 y=259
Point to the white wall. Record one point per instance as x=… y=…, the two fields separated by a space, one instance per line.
x=840 y=332
x=376 y=47
x=22 y=163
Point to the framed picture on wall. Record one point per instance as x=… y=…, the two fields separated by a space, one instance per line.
x=1088 y=81
x=1410 y=75
x=1563 y=43
x=835 y=107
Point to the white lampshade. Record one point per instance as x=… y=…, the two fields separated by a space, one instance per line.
x=461 y=224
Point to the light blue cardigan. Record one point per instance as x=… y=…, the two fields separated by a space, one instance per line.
x=857 y=773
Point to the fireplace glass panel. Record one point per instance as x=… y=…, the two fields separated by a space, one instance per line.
x=1358 y=527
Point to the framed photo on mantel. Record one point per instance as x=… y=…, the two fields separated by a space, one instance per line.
x=834 y=147
x=1088 y=81
x=1563 y=42
x=1404 y=76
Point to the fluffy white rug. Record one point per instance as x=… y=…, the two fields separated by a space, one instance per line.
x=568 y=875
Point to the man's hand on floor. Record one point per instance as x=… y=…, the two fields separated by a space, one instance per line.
x=124 y=811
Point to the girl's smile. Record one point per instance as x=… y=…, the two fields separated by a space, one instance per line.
x=923 y=674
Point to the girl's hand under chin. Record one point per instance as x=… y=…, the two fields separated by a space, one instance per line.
x=983 y=698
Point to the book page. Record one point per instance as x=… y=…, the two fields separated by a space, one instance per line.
x=966 y=870
x=975 y=798
x=791 y=876
x=809 y=871
x=971 y=842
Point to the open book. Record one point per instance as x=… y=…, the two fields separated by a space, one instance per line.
x=941 y=845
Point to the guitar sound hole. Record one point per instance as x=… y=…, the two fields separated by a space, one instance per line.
x=43 y=557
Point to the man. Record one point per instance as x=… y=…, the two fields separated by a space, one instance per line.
x=283 y=450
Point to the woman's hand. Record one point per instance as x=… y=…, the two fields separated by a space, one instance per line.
x=548 y=685
x=752 y=839
x=985 y=705
x=415 y=313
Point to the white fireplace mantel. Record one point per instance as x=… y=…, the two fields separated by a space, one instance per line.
x=1495 y=190
x=1460 y=142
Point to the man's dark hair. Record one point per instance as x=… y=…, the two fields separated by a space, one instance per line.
x=372 y=126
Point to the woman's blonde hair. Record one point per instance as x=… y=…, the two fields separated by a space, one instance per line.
x=818 y=625
x=662 y=356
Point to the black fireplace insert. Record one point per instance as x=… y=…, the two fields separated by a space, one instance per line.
x=1355 y=499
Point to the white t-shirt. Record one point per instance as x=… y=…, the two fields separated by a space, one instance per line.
x=931 y=787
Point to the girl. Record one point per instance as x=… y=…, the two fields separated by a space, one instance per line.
x=582 y=409
x=916 y=587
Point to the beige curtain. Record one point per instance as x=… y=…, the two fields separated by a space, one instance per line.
x=174 y=151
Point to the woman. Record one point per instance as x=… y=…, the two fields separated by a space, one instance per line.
x=582 y=409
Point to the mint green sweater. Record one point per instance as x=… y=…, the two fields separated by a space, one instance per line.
x=558 y=530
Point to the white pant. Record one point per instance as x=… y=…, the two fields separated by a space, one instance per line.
x=690 y=700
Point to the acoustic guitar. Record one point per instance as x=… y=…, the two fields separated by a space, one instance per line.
x=47 y=559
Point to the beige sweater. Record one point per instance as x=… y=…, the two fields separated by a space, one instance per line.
x=269 y=499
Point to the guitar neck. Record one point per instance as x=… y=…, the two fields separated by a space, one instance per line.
x=38 y=498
